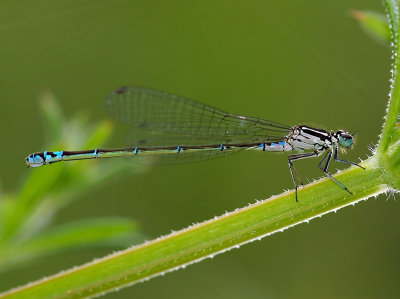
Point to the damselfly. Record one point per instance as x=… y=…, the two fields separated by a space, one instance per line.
x=203 y=132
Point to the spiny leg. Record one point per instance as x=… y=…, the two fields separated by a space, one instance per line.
x=293 y=169
x=296 y=173
x=325 y=170
x=322 y=161
x=344 y=161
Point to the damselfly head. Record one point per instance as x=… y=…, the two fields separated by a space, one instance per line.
x=345 y=138
x=34 y=160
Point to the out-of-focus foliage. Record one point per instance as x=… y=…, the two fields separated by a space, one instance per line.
x=26 y=230
x=374 y=24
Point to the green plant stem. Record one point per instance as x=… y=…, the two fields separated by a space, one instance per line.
x=388 y=149
x=208 y=238
x=393 y=111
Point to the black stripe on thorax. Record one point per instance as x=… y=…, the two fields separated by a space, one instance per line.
x=321 y=134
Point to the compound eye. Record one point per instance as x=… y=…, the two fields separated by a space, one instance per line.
x=346 y=140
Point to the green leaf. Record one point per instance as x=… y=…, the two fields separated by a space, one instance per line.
x=208 y=238
x=53 y=117
x=115 y=232
x=33 y=191
x=46 y=190
x=101 y=133
x=374 y=24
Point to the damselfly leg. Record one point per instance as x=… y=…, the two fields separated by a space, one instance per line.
x=344 y=161
x=325 y=170
x=327 y=157
x=293 y=169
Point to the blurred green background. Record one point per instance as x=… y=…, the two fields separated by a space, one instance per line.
x=296 y=62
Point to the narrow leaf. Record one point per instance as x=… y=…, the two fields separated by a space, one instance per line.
x=79 y=234
x=207 y=239
x=374 y=24
x=53 y=117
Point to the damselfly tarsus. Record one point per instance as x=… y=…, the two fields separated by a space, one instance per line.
x=204 y=132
